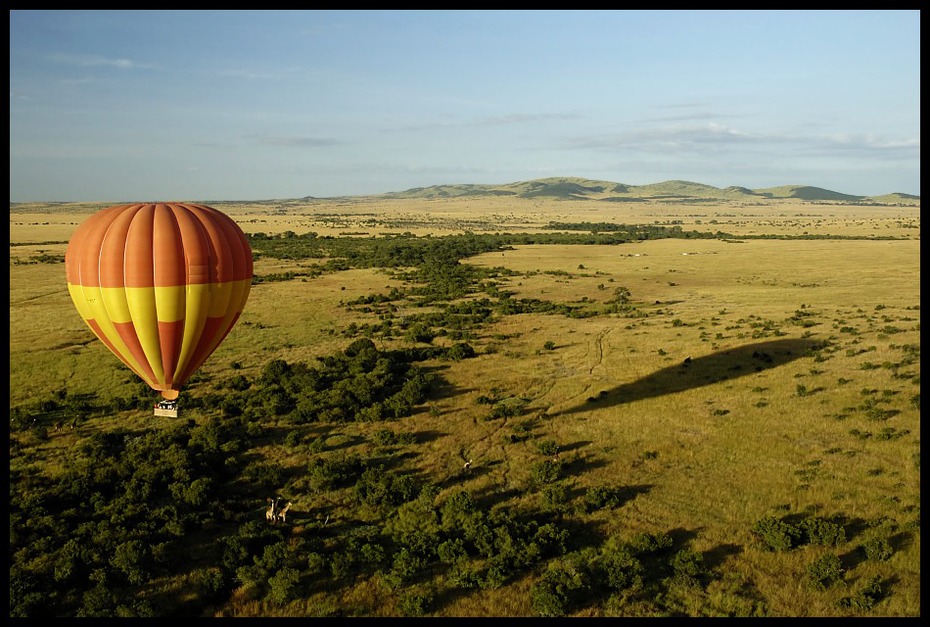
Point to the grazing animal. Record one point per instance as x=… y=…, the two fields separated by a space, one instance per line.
x=467 y=467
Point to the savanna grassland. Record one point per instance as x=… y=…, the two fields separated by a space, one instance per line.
x=658 y=424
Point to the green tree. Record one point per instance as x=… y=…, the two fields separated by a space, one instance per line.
x=283 y=586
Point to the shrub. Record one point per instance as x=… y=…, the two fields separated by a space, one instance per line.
x=316 y=563
x=877 y=548
x=777 y=534
x=551 y=540
x=621 y=569
x=546 y=471
x=825 y=571
x=420 y=333
x=687 y=566
x=452 y=551
x=507 y=408
x=554 y=496
x=238 y=383
x=359 y=346
x=557 y=590
x=820 y=531
x=547 y=447
x=650 y=543
x=292 y=438
x=866 y=597
x=406 y=565
x=460 y=351
x=375 y=486
x=600 y=497
x=282 y=587
x=384 y=437
x=416 y=602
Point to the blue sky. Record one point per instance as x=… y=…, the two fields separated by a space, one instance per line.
x=129 y=106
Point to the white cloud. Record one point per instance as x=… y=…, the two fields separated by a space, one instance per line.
x=85 y=60
x=683 y=138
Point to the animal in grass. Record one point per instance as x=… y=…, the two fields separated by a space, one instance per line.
x=466 y=468
x=271 y=515
x=282 y=515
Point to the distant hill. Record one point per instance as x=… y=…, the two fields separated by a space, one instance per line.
x=895 y=198
x=805 y=192
x=574 y=188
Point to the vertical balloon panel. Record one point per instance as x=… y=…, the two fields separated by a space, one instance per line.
x=161 y=285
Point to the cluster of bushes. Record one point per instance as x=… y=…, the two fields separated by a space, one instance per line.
x=90 y=540
x=440 y=280
x=459 y=320
x=636 y=231
x=646 y=231
x=66 y=411
x=778 y=534
x=360 y=384
x=471 y=547
x=86 y=541
x=827 y=569
x=615 y=574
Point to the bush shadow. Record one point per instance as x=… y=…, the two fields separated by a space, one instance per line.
x=716 y=556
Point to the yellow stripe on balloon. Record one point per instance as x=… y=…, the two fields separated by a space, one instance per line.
x=141 y=301
x=89 y=302
x=197 y=310
x=116 y=304
x=220 y=297
x=170 y=302
x=227 y=304
x=234 y=295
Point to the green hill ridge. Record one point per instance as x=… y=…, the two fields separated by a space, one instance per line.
x=576 y=188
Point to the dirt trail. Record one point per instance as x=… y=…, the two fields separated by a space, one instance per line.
x=594 y=357
x=598 y=350
x=34 y=297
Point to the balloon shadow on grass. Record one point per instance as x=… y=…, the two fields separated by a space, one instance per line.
x=694 y=373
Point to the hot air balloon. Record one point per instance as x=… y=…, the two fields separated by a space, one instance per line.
x=161 y=285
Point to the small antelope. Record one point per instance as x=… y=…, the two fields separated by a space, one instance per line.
x=467 y=467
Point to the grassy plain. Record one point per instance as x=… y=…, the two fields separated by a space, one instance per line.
x=761 y=377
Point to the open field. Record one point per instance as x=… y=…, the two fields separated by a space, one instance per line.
x=372 y=216
x=746 y=378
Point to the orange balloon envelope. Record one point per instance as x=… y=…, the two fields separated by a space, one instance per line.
x=160 y=284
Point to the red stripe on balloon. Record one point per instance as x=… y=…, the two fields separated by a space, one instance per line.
x=146 y=369
x=213 y=333
x=170 y=337
x=225 y=237
x=168 y=251
x=103 y=338
x=127 y=332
